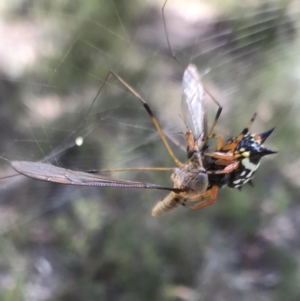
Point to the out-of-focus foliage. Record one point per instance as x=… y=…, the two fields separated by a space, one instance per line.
x=70 y=243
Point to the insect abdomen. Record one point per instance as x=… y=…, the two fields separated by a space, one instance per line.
x=166 y=204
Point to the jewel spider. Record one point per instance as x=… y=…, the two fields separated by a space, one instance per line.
x=243 y=153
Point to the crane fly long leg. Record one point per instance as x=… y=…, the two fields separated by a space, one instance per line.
x=150 y=113
x=215 y=119
x=167 y=36
x=55 y=174
x=131 y=169
x=206 y=91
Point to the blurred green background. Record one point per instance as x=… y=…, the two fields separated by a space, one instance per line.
x=72 y=243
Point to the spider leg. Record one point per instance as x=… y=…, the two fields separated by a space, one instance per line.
x=220 y=140
x=211 y=193
x=229 y=156
x=150 y=113
x=232 y=146
x=228 y=169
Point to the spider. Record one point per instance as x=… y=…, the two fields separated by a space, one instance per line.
x=232 y=164
x=242 y=155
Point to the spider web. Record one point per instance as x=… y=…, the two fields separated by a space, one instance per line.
x=55 y=56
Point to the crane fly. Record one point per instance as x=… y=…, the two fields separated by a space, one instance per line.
x=190 y=178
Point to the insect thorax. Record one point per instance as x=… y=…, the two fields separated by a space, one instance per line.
x=192 y=177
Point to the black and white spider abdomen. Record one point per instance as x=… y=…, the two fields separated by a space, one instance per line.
x=243 y=174
x=251 y=150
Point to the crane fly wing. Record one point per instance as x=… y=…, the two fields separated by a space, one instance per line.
x=55 y=174
x=193 y=105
